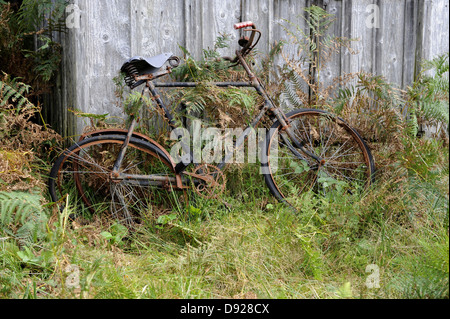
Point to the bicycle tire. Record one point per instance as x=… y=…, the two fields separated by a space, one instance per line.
x=348 y=162
x=83 y=172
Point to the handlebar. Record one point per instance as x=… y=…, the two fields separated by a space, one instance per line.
x=246 y=24
x=245 y=42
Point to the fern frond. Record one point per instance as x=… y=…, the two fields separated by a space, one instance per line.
x=429 y=95
x=435 y=110
x=297 y=79
x=412 y=125
x=13 y=91
x=290 y=94
x=319 y=20
x=344 y=95
x=440 y=64
x=22 y=216
x=33 y=14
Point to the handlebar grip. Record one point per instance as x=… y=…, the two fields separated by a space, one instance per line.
x=241 y=25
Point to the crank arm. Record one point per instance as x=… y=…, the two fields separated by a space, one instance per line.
x=207 y=179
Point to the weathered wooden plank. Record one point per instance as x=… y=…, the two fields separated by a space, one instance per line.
x=332 y=67
x=283 y=13
x=206 y=20
x=220 y=17
x=112 y=31
x=156 y=27
x=82 y=73
x=440 y=33
x=260 y=12
x=100 y=48
x=362 y=30
x=67 y=124
x=389 y=41
x=141 y=43
x=435 y=28
x=193 y=27
x=410 y=41
x=286 y=13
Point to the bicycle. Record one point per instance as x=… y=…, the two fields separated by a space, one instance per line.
x=129 y=173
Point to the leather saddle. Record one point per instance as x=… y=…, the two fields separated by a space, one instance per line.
x=139 y=66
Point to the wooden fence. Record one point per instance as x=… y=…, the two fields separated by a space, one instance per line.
x=394 y=36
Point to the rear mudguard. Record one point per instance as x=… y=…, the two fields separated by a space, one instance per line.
x=138 y=136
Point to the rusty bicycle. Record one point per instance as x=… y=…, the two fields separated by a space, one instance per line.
x=129 y=174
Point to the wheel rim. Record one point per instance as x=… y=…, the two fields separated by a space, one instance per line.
x=346 y=161
x=85 y=173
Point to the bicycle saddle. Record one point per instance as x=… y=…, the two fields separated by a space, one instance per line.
x=139 y=65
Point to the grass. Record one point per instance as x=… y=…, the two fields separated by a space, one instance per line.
x=253 y=247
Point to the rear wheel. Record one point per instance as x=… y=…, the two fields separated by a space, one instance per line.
x=84 y=173
x=345 y=162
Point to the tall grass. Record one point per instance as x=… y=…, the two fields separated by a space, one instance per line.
x=251 y=248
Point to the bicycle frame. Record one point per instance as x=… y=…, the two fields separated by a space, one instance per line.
x=86 y=166
x=181 y=167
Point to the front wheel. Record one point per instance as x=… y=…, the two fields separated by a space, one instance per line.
x=342 y=159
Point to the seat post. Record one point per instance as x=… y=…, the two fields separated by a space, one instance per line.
x=161 y=104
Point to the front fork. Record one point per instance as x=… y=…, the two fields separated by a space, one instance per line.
x=298 y=145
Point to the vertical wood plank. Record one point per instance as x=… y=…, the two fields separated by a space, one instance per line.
x=107 y=47
x=219 y=18
x=410 y=41
x=361 y=55
x=193 y=27
x=363 y=33
x=332 y=68
x=284 y=13
x=435 y=28
x=389 y=45
x=156 y=27
x=260 y=12
x=292 y=11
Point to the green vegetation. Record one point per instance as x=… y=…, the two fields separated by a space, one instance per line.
x=243 y=244
x=28 y=49
x=315 y=50
x=255 y=248
x=233 y=107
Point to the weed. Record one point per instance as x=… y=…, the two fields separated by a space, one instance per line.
x=303 y=85
x=28 y=50
x=231 y=107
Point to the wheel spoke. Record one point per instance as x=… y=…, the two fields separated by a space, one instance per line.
x=84 y=171
x=344 y=157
